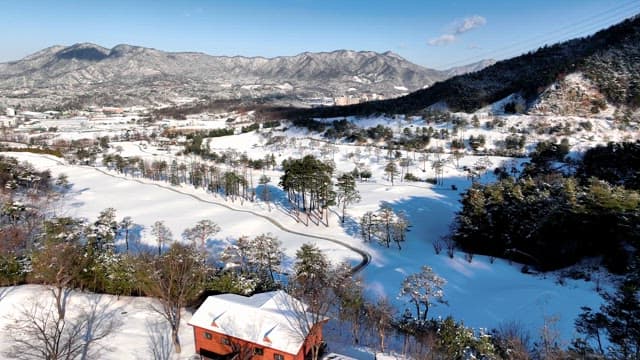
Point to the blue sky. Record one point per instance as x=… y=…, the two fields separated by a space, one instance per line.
x=436 y=34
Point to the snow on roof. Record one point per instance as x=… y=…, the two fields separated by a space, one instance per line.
x=270 y=319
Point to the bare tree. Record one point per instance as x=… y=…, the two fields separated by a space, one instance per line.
x=549 y=346
x=308 y=319
x=39 y=331
x=512 y=338
x=243 y=350
x=380 y=317
x=438 y=245
x=176 y=278
x=58 y=265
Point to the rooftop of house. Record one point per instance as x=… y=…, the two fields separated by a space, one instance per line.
x=272 y=319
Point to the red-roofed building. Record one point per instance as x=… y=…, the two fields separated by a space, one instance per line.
x=267 y=326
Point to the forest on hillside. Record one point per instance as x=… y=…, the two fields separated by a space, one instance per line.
x=608 y=57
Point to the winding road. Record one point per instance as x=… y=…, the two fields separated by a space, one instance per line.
x=366 y=257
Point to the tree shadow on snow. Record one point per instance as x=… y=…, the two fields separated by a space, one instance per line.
x=100 y=319
x=351 y=226
x=159 y=344
x=5 y=291
x=135 y=235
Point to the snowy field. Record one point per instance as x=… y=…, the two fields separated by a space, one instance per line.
x=480 y=293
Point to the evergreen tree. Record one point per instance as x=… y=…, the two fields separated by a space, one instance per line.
x=200 y=232
x=622 y=311
x=313 y=283
x=266 y=254
x=347 y=193
x=385 y=218
x=423 y=289
x=307 y=182
x=125 y=225
x=162 y=234
x=101 y=234
x=264 y=182
x=391 y=169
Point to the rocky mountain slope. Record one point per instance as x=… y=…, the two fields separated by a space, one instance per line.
x=609 y=60
x=88 y=72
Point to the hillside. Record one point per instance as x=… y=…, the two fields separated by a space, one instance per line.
x=609 y=58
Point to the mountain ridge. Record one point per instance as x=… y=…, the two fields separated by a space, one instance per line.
x=127 y=72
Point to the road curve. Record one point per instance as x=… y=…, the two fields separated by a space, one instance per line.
x=366 y=257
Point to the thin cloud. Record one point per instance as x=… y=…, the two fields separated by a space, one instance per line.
x=469 y=23
x=458 y=28
x=442 y=40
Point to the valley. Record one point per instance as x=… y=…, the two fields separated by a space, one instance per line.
x=383 y=209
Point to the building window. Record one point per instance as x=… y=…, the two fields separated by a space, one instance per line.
x=226 y=341
x=278 y=357
x=208 y=336
x=258 y=351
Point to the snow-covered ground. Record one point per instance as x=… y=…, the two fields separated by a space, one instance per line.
x=138 y=324
x=480 y=293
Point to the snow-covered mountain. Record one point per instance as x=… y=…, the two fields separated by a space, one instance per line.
x=94 y=72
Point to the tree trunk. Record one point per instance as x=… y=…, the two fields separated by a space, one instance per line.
x=175 y=328
x=176 y=341
x=344 y=206
x=382 y=337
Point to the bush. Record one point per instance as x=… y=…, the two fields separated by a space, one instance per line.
x=12 y=271
x=410 y=177
x=252 y=127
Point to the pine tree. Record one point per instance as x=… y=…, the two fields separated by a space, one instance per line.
x=264 y=181
x=622 y=311
x=101 y=234
x=423 y=289
x=162 y=234
x=391 y=170
x=347 y=193
x=386 y=218
x=125 y=225
x=267 y=254
x=200 y=232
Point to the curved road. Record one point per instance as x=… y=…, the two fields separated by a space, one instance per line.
x=366 y=257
